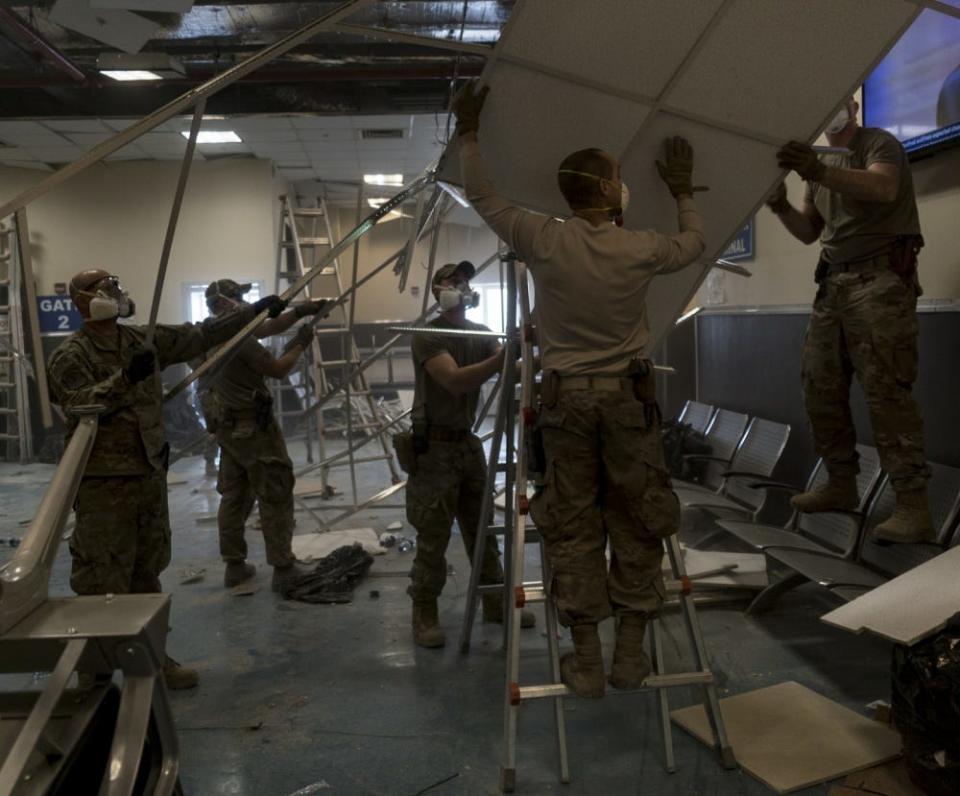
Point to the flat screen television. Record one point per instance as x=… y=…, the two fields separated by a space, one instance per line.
x=915 y=90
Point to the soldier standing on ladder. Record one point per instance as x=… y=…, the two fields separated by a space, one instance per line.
x=444 y=459
x=604 y=469
x=254 y=465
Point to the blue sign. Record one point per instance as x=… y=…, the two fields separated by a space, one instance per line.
x=58 y=315
x=741 y=247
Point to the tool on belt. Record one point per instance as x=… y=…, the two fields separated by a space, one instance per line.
x=262 y=410
x=900 y=257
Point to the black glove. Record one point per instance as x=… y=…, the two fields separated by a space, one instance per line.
x=802 y=159
x=273 y=304
x=302 y=338
x=315 y=307
x=467 y=105
x=141 y=362
x=777 y=201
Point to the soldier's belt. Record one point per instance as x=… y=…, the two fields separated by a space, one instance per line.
x=600 y=383
x=448 y=435
x=879 y=263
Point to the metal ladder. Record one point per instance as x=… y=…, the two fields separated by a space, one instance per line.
x=16 y=436
x=306 y=249
x=519 y=593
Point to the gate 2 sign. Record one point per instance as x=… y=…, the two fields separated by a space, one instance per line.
x=58 y=315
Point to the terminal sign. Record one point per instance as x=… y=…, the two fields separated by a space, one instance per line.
x=58 y=315
x=741 y=247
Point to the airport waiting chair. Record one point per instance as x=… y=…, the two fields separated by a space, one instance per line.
x=696 y=415
x=875 y=563
x=755 y=458
x=833 y=533
x=722 y=435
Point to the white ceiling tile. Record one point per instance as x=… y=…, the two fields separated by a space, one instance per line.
x=27 y=164
x=14 y=153
x=89 y=140
x=259 y=122
x=76 y=125
x=17 y=132
x=297 y=174
x=339 y=134
x=56 y=154
x=224 y=149
x=320 y=122
x=120 y=124
x=268 y=136
x=394 y=120
x=167 y=139
x=120 y=29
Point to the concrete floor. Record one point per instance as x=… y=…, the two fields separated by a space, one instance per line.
x=338 y=698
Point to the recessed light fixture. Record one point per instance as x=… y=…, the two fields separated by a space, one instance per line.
x=383 y=179
x=130 y=74
x=215 y=137
x=139 y=66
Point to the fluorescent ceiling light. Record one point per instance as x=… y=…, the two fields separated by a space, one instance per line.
x=215 y=137
x=139 y=66
x=130 y=74
x=376 y=203
x=383 y=179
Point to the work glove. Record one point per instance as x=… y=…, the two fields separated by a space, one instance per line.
x=777 y=201
x=467 y=105
x=677 y=171
x=302 y=338
x=273 y=304
x=141 y=362
x=802 y=159
x=316 y=307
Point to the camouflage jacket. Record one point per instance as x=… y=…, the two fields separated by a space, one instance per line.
x=87 y=368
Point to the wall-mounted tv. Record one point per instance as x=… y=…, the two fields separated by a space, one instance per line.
x=915 y=90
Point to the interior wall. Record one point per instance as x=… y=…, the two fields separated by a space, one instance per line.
x=114 y=216
x=380 y=299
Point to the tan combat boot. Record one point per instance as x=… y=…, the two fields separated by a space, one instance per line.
x=236 y=572
x=426 y=624
x=582 y=669
x=840 y=492
x=910 y=521
x=631 y=664
x=493 y=612
x=179 y=677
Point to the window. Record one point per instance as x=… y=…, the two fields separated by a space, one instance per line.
x=196 y=302
x=492 y=309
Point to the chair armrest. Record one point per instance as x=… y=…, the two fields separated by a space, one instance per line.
x=776 y=486
x=703 y=458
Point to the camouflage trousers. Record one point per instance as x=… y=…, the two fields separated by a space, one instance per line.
x=121 y=542
x=605 y=480
x=865 y=324
x=255 y=467
x=448 y=485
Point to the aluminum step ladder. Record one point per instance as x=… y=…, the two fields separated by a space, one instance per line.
x=519 y=593
x=16 y=434
x=305 y=237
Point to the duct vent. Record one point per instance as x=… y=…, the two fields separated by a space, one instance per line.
x=377 y=134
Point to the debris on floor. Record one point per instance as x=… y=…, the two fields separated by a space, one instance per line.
x=387 y=540
x=316 y=786
x=314 y=546
x=406 y=545
x=890 y=779
x=395 y=526
x=191 y=575
x=245 y=589
x=790 y=737
x=334 y=577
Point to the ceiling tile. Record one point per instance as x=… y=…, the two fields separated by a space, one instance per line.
x=297 y=174
x=258 y=122
x=14 y=153
x=270 y=136
x=28 y=164
x=23 y=132
x=76 y=125
x=55 y=154
x=320 y=122
x=88 y=140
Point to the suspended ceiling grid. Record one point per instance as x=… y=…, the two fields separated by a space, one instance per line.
x=735 y=77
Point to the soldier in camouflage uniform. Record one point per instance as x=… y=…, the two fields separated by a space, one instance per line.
x=605 y=479
x=254 y=465
x=862 y=208
x=446 y=464
x=121 y=542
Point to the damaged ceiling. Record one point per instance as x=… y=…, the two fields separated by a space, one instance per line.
x=49 y=70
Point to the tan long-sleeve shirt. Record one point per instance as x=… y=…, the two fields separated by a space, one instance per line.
x=591 y=282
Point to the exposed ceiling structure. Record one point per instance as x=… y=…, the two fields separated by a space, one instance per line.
x=49 y=69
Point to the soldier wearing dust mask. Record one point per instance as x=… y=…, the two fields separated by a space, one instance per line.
x=121 y=542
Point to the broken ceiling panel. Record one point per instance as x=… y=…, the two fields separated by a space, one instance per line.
x=120 y=29
x=736 y=77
